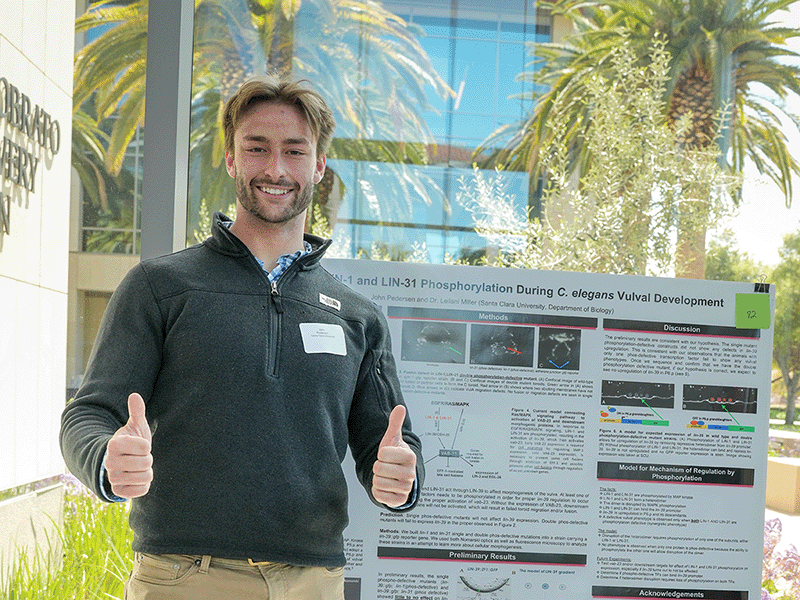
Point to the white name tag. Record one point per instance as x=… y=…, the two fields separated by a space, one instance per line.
x=323 y=338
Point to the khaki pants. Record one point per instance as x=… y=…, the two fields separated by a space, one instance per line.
x=178 y=577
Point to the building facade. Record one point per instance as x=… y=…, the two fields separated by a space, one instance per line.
x=36 y=44
x=414 y=95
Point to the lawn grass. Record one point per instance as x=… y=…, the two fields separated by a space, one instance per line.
x=778 y=413
x=97 y=557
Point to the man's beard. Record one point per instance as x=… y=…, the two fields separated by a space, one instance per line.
x=270 y=213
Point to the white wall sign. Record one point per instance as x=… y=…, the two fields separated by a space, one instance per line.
x=18 y=164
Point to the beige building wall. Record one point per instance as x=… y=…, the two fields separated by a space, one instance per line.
x=36 y=49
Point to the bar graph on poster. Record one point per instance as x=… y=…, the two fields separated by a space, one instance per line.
x=584 y=436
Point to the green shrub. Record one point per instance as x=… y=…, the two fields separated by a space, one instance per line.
x=96 y=559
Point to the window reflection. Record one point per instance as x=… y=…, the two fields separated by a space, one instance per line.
x=111 y=216
x=415 y=89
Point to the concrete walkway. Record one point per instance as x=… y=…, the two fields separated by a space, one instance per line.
x=790 y=523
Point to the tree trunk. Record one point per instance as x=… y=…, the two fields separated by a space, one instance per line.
x=791 y=379
x=690 y=253
x=694 y=96
x=281 y=49
x=791 y=395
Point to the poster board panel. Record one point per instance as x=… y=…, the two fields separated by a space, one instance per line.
x=584 y=436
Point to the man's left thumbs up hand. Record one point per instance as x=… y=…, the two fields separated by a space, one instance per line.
x=396 y=468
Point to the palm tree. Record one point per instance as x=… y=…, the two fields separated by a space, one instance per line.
x=102 y=126
x=359 y=54
x=727 y=55
x=110 y=74
x=786 y=347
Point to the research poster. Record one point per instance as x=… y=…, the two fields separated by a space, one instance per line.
x=585 y=436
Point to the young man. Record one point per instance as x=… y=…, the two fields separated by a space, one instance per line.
x=228 y=380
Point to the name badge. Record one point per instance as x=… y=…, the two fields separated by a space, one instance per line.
x=323 y=338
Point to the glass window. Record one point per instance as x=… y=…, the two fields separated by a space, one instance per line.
x=415 y=90
x=111 y=215
x=107 y=136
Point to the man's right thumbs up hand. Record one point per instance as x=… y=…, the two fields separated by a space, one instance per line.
x=129 y=464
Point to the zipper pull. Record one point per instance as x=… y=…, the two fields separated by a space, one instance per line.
x=276 y=298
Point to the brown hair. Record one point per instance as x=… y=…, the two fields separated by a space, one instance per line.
x=269 y=88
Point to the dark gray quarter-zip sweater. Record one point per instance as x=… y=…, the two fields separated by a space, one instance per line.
x=250 y=425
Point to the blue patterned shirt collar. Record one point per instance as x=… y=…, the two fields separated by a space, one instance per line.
x=284 y=261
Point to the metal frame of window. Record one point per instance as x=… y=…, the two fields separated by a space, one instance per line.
x=165 y=166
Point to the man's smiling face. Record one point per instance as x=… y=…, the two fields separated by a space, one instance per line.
x=274 y=162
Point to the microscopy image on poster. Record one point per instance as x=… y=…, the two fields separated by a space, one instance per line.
x=717 y=398
x=559 y=349
x=481 y=587
x=501 y=345
x=438 y=342
x=638 y=394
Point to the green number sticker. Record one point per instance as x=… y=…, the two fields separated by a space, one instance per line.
x=752 y=311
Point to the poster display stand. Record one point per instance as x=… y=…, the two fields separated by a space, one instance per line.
x=584 y=436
